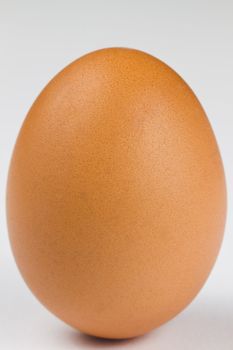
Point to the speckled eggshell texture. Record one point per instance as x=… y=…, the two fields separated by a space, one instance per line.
x=116 y=194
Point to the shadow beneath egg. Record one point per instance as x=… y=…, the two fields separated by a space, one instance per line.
x=85 y=341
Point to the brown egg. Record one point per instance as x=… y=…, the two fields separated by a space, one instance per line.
x=116 y=194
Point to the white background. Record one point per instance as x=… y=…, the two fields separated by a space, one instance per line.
x=39 y=38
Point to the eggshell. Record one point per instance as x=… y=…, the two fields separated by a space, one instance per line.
x=116 y=194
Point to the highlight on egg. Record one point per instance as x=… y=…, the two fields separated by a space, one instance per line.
x=116 y=198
